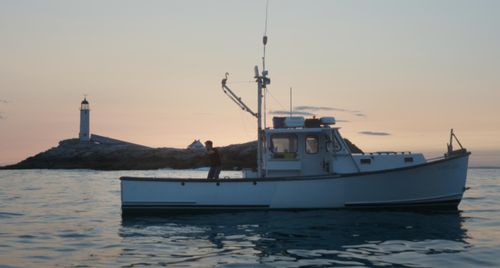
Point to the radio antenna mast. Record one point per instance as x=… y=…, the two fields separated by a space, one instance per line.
x=262 y=82
x=264 y=41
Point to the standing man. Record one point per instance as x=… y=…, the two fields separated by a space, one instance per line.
x=215 y=163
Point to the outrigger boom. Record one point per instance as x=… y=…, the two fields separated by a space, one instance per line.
x=235 y=97
x=262 y=82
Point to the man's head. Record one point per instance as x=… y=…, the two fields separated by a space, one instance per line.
x=208 y=144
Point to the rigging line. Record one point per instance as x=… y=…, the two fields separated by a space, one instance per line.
x=237 y=100
x=243 y=123
x=275 y=99
x=242 y=81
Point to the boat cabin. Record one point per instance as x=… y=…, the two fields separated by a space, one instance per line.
x=313 y=147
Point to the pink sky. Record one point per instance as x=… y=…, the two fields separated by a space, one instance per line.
x=152 y=71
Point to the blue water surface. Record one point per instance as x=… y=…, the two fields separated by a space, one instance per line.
x=72 y=218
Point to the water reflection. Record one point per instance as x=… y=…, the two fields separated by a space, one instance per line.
x=293 y=239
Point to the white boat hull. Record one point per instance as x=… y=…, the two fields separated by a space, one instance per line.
x=438 y=183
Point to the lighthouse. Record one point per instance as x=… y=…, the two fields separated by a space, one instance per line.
x=84 y=121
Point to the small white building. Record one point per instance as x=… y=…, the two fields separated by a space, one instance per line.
x=84 y=121
x=196 y=145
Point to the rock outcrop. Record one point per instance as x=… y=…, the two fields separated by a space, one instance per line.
x=74 y=154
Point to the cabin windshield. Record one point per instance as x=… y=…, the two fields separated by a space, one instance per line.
x=333 y=145
x=284 y=146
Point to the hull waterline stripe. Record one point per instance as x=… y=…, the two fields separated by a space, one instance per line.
x=177 y=207
x=452 y=202
x=153 y=207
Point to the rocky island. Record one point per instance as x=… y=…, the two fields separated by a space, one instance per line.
x=92 y=151
x=75 y=154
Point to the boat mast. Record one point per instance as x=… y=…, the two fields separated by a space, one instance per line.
x=259 y=121
x=262 y=82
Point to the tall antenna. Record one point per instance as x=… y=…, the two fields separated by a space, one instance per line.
x=264 y=42
x=291 y=102
x=264 y=38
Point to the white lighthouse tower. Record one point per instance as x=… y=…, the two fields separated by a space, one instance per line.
x=84 y=121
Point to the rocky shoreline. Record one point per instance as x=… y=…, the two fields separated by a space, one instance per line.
x=74 y=154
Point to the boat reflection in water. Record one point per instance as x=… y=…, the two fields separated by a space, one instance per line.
x=305 y=238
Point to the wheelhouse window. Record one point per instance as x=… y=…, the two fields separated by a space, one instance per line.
x=312 y=144
x=284 y=146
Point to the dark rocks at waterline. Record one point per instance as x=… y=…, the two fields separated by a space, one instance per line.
x=74 y=154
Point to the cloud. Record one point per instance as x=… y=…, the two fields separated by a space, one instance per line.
x=306 y=110
x=319 y=108
x=302 y=113
x=282 y=112
x=3 y=101
x=374 y=133
x=313 y=110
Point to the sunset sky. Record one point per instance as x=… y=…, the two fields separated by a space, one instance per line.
x=151 y=71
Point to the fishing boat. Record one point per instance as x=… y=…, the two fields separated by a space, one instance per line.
x=306 y=164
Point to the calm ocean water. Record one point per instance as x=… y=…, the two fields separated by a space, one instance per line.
x=73 y=218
